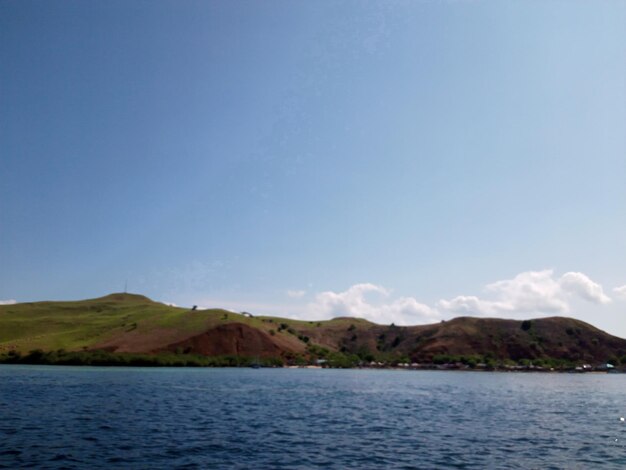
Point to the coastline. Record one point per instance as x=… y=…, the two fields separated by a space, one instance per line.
x=243 y=363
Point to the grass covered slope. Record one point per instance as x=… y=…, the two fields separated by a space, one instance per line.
x=126 y=324
x=81 y=324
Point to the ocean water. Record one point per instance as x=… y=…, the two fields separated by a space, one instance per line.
x=83 y=417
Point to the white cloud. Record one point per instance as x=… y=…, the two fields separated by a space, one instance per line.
x=530 y=292
x=379 y=309
x=8 y=302
x=584 y=287
x=470 y=304
x=620 y=291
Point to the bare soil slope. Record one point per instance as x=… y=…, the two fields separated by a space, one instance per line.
x=235 y=339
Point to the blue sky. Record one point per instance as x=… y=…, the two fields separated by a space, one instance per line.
x=402 y=161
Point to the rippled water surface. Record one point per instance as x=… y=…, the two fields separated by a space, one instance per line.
x=80 y=417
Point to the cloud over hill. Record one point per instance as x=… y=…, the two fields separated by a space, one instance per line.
x=529 y=292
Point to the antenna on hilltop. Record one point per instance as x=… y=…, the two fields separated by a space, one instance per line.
x=126 y=286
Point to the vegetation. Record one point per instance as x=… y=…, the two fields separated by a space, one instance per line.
x=104 y=358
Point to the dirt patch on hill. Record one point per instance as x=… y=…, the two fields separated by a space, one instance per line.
x=230 y=339
x=141 y=341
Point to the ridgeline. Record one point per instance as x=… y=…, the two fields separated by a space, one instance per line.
x=129 y=329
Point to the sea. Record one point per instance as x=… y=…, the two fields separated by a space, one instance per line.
x=55 y=417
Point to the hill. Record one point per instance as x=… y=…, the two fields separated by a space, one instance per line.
x=123 y=325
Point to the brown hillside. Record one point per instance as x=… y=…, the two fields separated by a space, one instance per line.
x=235 y=339
x=555 y=337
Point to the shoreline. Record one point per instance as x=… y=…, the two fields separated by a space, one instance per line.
x=315 y=367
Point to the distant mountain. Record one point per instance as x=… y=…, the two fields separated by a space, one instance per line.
x=129 y=323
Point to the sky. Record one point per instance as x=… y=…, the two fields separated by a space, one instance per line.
x=401 y=161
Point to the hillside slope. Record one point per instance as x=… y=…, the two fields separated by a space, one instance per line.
x=129 y=323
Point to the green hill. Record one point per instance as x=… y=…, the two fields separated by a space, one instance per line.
x=129 y=325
